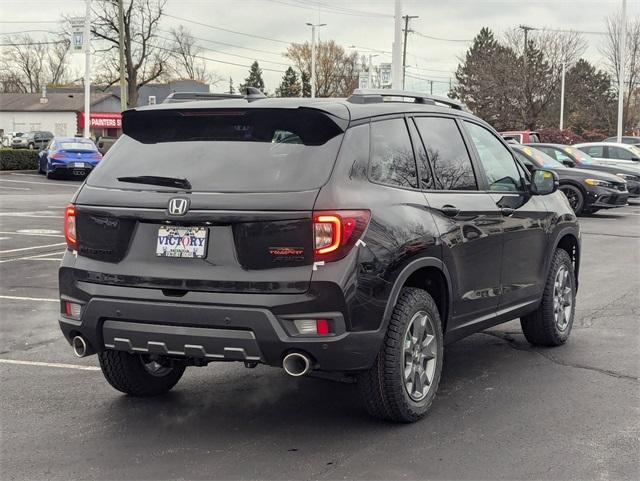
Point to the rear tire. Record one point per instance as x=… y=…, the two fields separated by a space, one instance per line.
x=403 y=381
x=550 y=324
x=575 y=197
x=131 y=374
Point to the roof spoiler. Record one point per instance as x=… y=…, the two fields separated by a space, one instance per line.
x=251 y=94
x=371 y=96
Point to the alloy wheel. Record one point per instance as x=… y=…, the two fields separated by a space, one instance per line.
x=419 y=353
x=562 y=298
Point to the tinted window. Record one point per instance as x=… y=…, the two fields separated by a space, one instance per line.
x=448 y=154
x=76 y=145
x=593 y=150
x=392 y=160
x=242 y=150
x=497 y=161
x=424 y=169
x=620 y=153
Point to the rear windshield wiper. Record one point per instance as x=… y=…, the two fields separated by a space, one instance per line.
x=156 y=180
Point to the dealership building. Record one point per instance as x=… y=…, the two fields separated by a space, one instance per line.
x=60 y=113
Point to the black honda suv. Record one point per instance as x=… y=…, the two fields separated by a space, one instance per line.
x=356 y=236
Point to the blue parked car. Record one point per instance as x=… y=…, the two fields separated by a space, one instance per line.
x=68 y=156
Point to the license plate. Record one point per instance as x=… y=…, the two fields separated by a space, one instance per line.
x=175 y=241
x=79 y=164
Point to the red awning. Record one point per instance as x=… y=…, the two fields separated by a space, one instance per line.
x=101 y=120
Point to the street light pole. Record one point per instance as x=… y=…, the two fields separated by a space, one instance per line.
x=87 y=70
x=562 y=96
x=313 y=55
x=407 y=18
x=370 y=73
x=123 y=80
x=621 y=74
x=396 y=54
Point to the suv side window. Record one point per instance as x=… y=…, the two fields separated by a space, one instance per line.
x=447 y=152
x=392 y=160
x=593 y=150
x=619 y=153
x=499 y=165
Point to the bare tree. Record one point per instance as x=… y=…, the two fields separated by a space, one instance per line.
x=188 y=60
x=540 y=67
x=611 y=52
x=336 y=71
x=146 y=59
x=30 y=64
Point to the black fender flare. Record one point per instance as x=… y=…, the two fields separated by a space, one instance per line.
x=402 y=277
x=575 y=232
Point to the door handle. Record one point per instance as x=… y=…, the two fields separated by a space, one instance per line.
x=450 y=210
x=507 y=211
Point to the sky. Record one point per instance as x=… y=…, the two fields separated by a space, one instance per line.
x=270 y=25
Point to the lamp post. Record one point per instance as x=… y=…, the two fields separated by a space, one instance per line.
x=313 y=55
x=621 y=74
x=370 y=73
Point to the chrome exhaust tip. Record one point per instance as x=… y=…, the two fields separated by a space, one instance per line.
x=296 y=364
x=79 y=345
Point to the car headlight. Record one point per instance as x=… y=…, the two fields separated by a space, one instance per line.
x=629 y=177
x=598 y=183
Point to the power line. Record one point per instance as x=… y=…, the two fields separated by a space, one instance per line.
x=21 y=44
x=279 y=54
x=230 y=54
x=226 y=29
x=430 y=37
x=331 y=9
x=30 y=21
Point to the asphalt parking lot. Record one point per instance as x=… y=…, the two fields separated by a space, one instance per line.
x=504 y=410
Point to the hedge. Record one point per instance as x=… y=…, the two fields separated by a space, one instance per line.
x=18 y=159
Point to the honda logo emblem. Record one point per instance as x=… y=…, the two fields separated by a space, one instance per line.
x=178 y=206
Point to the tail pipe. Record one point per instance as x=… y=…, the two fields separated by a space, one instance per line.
x=296 y=364
x=81 y=347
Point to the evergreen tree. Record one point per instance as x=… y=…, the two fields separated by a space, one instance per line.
x=290 y=86
x=488 y=81
x=254 y=79
x=231 y=89
x=306 y=84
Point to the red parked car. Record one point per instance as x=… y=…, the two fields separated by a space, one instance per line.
x=522 y=136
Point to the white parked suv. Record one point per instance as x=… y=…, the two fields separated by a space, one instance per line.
x=622 y=154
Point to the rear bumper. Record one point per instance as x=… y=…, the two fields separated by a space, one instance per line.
x=119 y=318
x=70 y=170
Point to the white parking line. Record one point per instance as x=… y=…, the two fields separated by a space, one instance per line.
x=40 y=183
x=15 y=188
x=51 y=214
x=37 y=299
x=39 y=257
x=31 y=233
x=27 y=175
x=31 y=248
x=49 y=364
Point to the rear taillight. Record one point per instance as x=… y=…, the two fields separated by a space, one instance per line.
x=336 y=232
x=70 y=227
x=57 y=155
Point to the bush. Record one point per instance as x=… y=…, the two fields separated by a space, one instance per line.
x=594 y=135
x=557 y=136
x=18 y=159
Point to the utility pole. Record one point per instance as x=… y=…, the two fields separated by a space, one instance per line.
x=123 y=79
x=87 y=70
x=396 y=53
x=431 y=87
x=525 y=56
x=564 y=66
x=313 y=55
x=621 y=74
x=404 y=46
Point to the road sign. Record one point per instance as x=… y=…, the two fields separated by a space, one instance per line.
x=77 y=34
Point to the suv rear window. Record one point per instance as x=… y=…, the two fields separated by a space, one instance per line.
x=221 y=150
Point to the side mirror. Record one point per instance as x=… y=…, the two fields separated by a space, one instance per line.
x=568 y=163
x=635 y=159
x=544 y=182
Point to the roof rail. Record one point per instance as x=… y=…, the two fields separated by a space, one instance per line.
x=366 y=96
x=251 y=94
